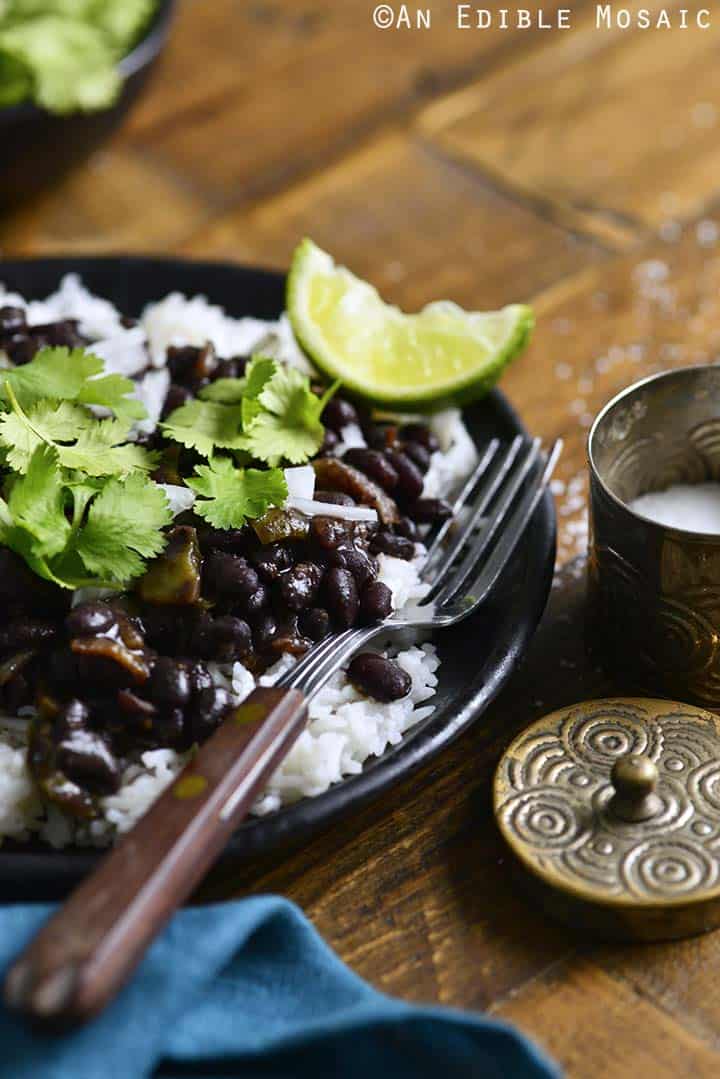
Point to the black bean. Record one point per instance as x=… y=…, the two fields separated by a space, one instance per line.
x=199 y=675
x=21 y=347
x=362 y=567
x=169 y=729
x=24 y=632
x=18 y=693
x=63 y=668
x=135 y=706
x=376 y=465
x=338 y=413
x=169 y=684
x=397 y=546
x=264 y=630
x=230 y=575
x=417 y=454
x=407 y=528
x=271 y=560
x=299 y=586
x=20 y=587
x=375 y=436
x=430 y=510
x=254 y=603
x=12 y=319
x=379 y=677
x=177 y=395
x=167 y=629
x=329 y=442
x=62 y=334
x=83 y=754
x=410 y=480
x=315 y=623
x=375 y=602
x=232 y=368
x=88 y=619
x=334 y=498
x=74 y=716
x=420 y=432
x=328 y=533
x=183 y=361
x=341 y=596
x=223 y=539
x=223 y=639
x=207 y=711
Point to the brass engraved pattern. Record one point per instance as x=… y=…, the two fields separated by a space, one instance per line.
x=672 y=640
x=552 y=790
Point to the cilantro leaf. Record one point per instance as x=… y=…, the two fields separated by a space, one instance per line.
x=123 y=528
x=279 y=414
x=64 y=374
x=203 y=425
x=111 y=391
x=97 y=447
x=117 y=524
x=231 y=495
x=101 y=450
x=22 y=435
x=37 y=503
x=288 y=425
x=234 y=391
x=257 y=375
x=32 y=521
x=270 y=439
x=226 y=391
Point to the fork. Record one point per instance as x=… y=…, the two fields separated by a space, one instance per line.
x=88 y=949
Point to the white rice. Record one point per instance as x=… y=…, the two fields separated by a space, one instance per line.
x=345 y=728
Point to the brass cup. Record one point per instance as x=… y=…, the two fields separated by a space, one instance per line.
x=654 y=591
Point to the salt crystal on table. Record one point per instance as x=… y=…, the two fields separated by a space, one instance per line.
x=689 y=507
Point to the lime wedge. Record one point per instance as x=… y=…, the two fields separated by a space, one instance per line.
x=443 y=355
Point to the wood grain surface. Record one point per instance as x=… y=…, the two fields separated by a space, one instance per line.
x=578 y=169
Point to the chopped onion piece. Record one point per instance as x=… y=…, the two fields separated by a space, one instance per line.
x=351 y=437
x=300 y=481
x=179 y=498
x=312 y=508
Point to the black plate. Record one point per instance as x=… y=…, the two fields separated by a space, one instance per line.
x=477 y=657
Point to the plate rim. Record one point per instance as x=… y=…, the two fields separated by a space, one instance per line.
x=44 y=871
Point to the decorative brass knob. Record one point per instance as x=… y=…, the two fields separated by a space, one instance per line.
x=634 y=779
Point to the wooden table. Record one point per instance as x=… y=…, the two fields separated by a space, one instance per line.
x=575 y=168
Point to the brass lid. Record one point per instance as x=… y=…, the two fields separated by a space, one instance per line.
x=612 y=811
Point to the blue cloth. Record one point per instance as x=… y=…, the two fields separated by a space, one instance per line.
x=249 y=989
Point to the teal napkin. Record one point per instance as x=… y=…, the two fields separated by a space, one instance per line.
x=249 y=989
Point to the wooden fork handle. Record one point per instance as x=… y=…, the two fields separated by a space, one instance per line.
x=89 y=948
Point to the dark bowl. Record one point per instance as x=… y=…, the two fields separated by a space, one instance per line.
x=39 y=147
x=478 y=656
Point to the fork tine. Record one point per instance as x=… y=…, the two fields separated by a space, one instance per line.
x=469 y=486
x=477 y=549
x=347 y=643
x=306 y=663
x=314 y=669
x=439 y=574
x=519 y=521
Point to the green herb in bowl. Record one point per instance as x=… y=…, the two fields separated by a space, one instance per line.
x=63 y=55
